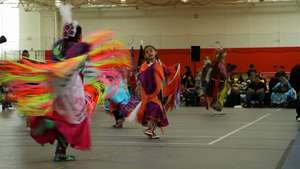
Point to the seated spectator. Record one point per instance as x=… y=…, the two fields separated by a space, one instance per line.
x=198 y=85
x=132 y=81
x=282 y=92
x=25 y=54
x=234 y=98
x=256 y=91
x=251 y=71
x=6 y=97
x=189 y=93
x=243 y=93
x=187 y=79
x=272 y=82
x=26 y=57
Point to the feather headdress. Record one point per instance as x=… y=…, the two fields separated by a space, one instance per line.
x=69 y=24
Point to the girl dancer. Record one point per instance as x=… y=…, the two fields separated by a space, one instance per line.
x=159 y=88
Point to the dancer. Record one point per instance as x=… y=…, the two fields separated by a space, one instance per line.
x=60 y=104
x=295 y=82
x=157 y=97
x=122 y=103
x=69 y=124
x=216 y=88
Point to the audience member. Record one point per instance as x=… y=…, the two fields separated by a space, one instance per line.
x=256 y=91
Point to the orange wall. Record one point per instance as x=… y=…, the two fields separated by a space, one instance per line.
x=262 y=58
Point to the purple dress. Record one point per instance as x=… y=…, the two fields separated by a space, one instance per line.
x=151 y=79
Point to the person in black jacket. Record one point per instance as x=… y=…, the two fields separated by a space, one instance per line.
x=295 y=82
x=187 y=79
x=256 y=91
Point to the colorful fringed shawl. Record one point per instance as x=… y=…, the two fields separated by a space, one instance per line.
x=32 y=83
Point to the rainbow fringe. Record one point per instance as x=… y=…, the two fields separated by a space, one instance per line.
x=30 y=82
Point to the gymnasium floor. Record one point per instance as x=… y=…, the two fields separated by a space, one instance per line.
x=195 y=139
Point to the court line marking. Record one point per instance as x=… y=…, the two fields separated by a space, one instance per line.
x=123 y=136
x=239 y=129
x=148 y=143
x=110 y=143
x=163 y=136
x=144 y=143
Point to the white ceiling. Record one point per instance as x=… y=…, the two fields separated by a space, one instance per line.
x=146 y=3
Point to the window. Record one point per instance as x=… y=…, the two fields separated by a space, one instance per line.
x=9 y=27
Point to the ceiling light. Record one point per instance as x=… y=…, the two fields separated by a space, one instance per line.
x=58 y=3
